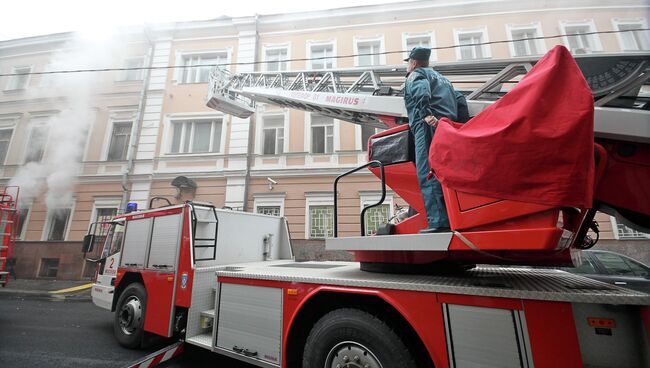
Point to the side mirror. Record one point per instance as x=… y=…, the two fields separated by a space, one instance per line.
x=89 y=241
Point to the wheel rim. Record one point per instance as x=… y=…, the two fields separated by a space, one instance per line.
x=350 y=354
x=131 y=315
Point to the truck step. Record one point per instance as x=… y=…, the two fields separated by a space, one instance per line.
x=203 y=340
x=208 y=313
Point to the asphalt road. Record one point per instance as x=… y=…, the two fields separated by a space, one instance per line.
x=46 y=332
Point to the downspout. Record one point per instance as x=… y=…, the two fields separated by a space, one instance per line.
x=135 y=129
x=251 y=135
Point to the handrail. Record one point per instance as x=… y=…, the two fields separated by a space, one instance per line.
x=363 y=211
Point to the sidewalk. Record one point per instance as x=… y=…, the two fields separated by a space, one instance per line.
x=49 y=288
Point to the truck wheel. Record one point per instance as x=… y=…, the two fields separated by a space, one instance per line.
x=128 y=325
x=348 y=338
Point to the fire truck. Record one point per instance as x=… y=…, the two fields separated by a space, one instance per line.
x=9 y=223
x=226 y=281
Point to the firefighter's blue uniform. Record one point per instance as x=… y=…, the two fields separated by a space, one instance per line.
x=427 y=92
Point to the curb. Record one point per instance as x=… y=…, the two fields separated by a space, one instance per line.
x=46 y=294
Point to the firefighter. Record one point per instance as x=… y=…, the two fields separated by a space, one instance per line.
x=429 y=97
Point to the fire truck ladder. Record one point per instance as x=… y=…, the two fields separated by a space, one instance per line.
x=204 y=218
x=8 y=224
x=373 y=96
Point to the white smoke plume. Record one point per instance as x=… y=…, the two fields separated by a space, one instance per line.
x=76 y=96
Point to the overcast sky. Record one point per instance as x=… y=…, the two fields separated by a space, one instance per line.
x=25 y=18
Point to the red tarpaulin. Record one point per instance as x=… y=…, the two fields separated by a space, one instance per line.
x=535 y=144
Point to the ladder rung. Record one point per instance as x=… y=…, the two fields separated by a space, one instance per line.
x=204 y=239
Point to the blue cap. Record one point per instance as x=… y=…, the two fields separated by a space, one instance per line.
x=419 y=53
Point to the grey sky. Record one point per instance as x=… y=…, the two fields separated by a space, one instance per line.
x=37 y=17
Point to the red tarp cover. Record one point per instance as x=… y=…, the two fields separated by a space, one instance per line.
x=535 y=144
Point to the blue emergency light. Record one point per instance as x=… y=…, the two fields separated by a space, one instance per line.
x=131 y=206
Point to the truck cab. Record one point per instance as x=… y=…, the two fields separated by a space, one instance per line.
x=154 y=263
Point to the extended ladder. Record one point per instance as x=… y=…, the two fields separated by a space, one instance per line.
x=373 y=95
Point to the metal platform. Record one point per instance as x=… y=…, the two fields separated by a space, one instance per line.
x=519 y=283
x=409 y=242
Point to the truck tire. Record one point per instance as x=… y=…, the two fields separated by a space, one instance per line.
x=350 y=338
x=128 y=324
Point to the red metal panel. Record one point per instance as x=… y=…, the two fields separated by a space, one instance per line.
x=553 y=337
x=185 y=277
x=160 y=288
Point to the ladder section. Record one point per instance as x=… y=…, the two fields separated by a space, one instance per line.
x=205 y=226
x=373 y=96
x=8 y=227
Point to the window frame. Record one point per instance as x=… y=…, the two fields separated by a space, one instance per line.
x=192 y=118
x=180 y=76
x=110 y=138
x=642 y=22
x=37 y=121
x=10 y=80
x=432 y=42
x=311 y=43
x=486 y=50
x=269 y=200
x=372 y=197
x=124 y=73
x=285 y=134
x=23 y=229
x=8 y=124
x=539 y=43
x=597 y=45
x=48 y=223
x=103 y=203
x=382 y=49
x=275 y=47
x=309 y=135
x=316 y=199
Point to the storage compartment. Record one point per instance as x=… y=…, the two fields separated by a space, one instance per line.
x=249 y=321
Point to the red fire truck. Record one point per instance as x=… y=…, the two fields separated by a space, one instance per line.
x=225 y=280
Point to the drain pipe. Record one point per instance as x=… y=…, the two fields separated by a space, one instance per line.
x=251 y=135
x=135 y=129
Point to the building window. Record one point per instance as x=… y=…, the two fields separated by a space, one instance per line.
x=633 y=40
x=120 y=138
x=368 y=52
x=5 y=140
x=321 y=221
x=322 y=134
x=269 y=203
x=105 y=214
x=21 y=80
x=275 y=59
x=269 y=210
x=36 y=143
x=321 y=56
x=418 y=40
x=375 y=217
x=524 y=43
x=366 y=133
x=273 y=135
x=192 y=73
x=23 y=216
x=49 y=267
x=470 y=44
x=196 y=136
x=57 y=224
x=133 y=73
x=580 y=38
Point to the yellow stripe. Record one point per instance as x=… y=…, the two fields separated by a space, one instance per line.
x=76 y=288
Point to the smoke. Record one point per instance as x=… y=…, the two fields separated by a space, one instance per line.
x=61 y=138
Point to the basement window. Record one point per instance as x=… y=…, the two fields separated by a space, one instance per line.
x=49 y=267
